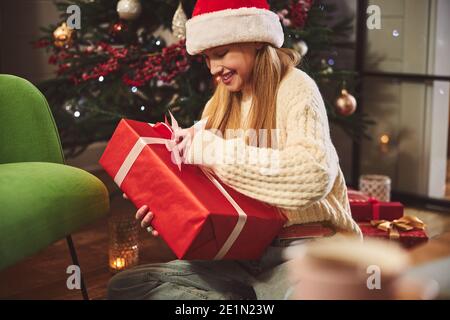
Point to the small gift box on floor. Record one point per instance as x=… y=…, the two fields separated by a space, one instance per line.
x=409 y=231
x=196 y=215
x=365 y=208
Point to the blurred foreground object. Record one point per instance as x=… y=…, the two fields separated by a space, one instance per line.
x=344 y=268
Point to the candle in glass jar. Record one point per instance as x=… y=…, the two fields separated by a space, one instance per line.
x=123 y=242
x=118 y=263
x=375 y=185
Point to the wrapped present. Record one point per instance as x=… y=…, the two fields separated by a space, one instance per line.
x=197 y=215
x=365 y=208
x=409 y=231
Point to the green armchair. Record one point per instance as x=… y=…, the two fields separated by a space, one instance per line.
x=41 y=199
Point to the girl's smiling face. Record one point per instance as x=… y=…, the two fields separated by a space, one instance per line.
x=233 y=64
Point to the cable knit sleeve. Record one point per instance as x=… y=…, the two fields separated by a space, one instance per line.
x=292 y=177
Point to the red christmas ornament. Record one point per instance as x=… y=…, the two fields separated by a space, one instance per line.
x=346 y=104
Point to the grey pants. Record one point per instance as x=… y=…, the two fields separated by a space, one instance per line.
x=266 y=278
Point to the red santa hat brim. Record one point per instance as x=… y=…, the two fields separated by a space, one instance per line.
x=233 y=26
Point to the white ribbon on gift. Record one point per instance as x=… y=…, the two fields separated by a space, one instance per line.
x=172 y=147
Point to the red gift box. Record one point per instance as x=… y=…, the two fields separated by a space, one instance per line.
x=198 y=216
x=407 y=239
x=365 y=208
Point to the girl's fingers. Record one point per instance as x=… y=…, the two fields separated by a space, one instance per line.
x=186 y=148
x=182 y=133
x=155 y=233
x=141 y=212
x=177 y=134
x=147 y=220
x=182 y=145
x=125 y=196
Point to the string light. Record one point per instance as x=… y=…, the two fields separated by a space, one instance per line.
x=142 y=108
x=384 y=143
x=395 y=33
x=384 y=139
x=77 y=114
x=101 y=78
x=134 y=89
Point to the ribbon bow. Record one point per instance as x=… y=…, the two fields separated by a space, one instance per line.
x=177 y=149
x=405 y=223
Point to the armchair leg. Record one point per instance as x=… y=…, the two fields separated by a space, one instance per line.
x=74 y=256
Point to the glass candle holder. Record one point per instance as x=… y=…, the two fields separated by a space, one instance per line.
x=123 y=242
x=375 y=185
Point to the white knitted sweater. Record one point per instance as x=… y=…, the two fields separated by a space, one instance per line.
x=308 y=184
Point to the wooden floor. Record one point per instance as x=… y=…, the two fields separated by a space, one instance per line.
x=43 y=276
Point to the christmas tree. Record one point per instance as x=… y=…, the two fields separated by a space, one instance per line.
x=114 y=66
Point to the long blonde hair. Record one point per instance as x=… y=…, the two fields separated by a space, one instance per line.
x=271 y=65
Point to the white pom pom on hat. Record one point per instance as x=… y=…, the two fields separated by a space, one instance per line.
x=221 y=22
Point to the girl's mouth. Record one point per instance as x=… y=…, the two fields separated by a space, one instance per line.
x=228 y=77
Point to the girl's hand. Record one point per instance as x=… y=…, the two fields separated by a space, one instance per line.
x=186 y=136
x=145 y=216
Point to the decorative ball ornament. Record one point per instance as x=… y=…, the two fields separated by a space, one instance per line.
x=129 y=9
x=301 y=47
x=179 y=23
x=346 y=103
x=63 y=36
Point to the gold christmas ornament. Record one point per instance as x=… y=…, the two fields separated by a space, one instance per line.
x=179 y=23
x=63 y=36
x=346 y=103
x=129 y=9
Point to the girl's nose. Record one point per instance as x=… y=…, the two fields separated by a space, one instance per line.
x=216 y=69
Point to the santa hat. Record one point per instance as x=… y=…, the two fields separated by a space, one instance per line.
x=220 y=22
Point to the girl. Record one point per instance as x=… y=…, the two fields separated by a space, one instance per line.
x=294 y=167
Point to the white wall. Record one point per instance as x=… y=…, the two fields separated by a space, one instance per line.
x=20 y=21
